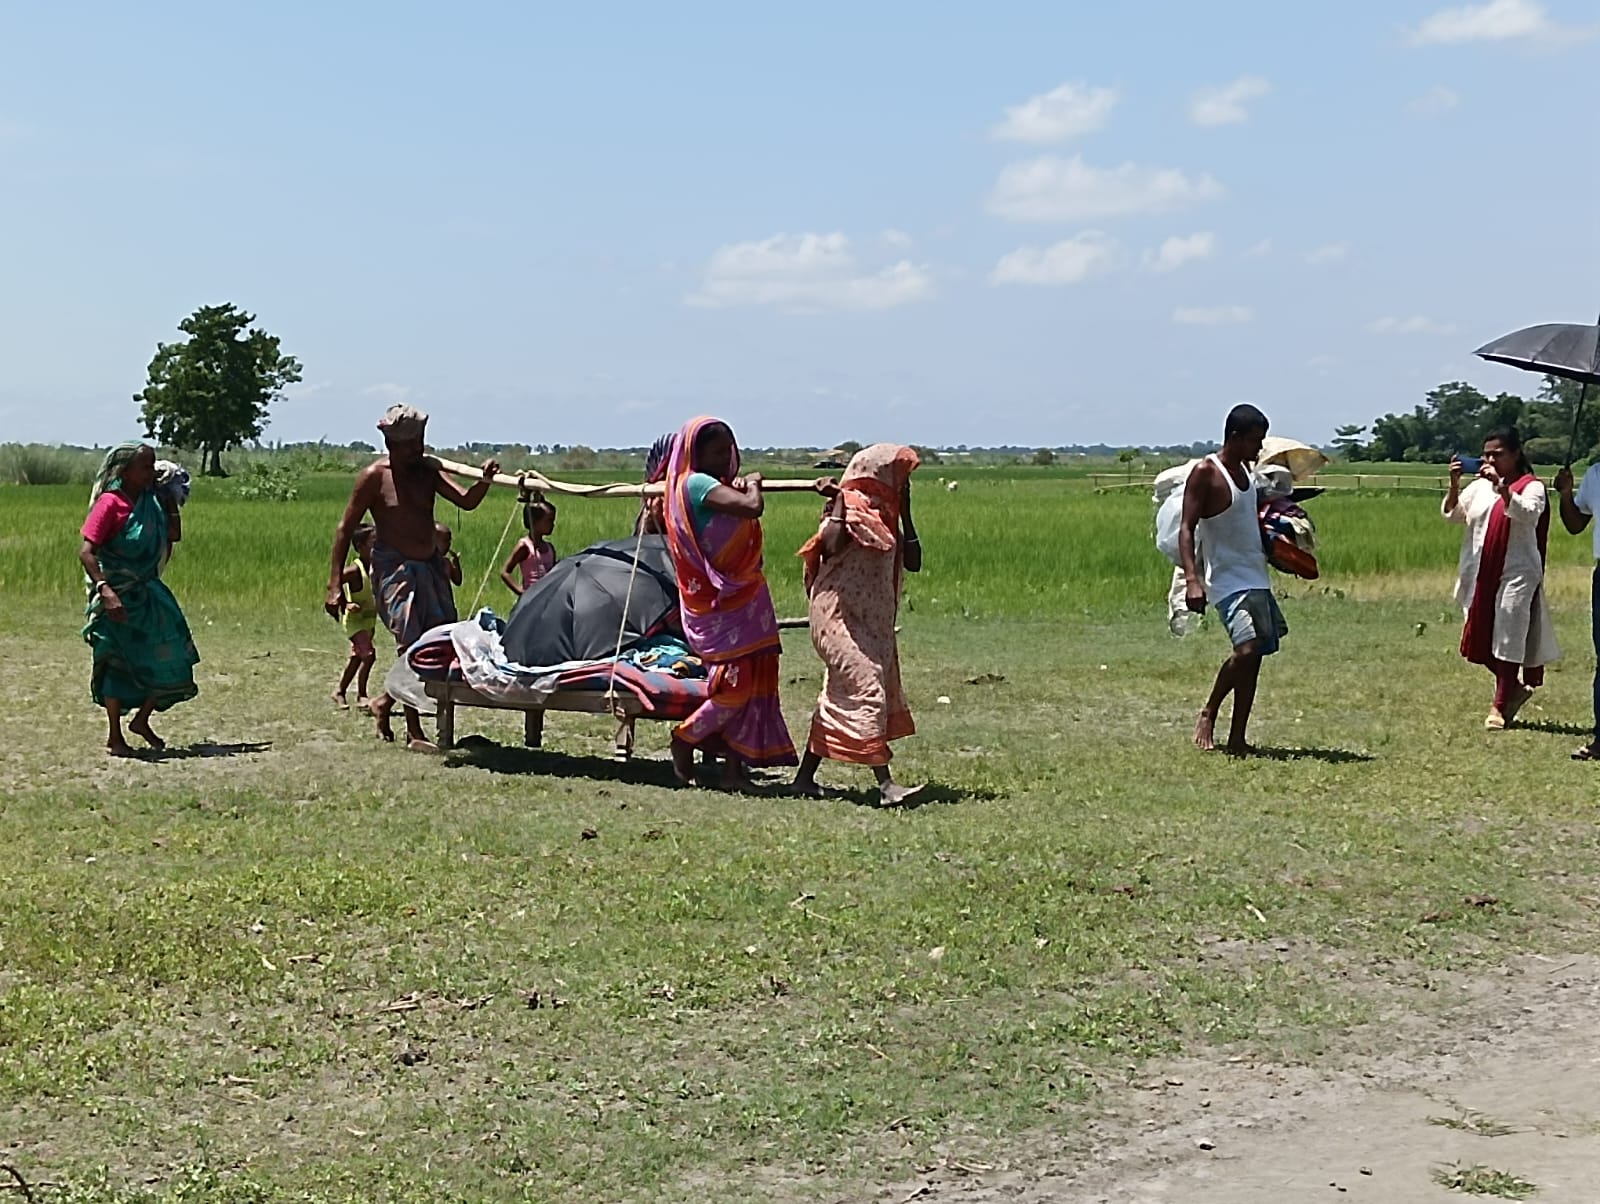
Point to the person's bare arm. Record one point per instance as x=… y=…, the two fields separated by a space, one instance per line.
x=742 y=499
x=835 y=530
x=361 y=499
x=1573 y=519
x=910 y=543
x=110 y=604
x=467 y=499
x=452 y=567
x=1198 y=491
x=508 y=570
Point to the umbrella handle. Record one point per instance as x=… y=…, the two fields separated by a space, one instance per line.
x=1577 y=417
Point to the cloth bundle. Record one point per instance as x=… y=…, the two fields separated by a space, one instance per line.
x=172 y=482
x=1289 y=538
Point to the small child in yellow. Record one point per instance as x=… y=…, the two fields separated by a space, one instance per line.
x=358 y=617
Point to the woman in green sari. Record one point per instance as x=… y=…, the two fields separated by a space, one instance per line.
x=144 y=657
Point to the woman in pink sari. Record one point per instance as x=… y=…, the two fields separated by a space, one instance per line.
x=853 y=573
x=1500 y=579
x=713 y=520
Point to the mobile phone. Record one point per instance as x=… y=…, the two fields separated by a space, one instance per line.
x=1470 y=465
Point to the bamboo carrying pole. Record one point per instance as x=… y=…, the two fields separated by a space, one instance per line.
x=530 y=479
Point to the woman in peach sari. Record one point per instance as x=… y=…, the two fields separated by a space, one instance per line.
x=713 y=520
x=853 y=568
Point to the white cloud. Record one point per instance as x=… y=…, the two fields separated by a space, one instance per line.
x=806 y=273
x=1496 y=21
x=1052 y=189
x=1071 y=261
x=1226 y=105
x=302 y=390
x=1214 y=315
x=1331 y=252
x=897 y=239
x=1260 y=249
x=1435 y=102
x=389 y=393
x=1413 y=325
x=1175 y=251
x=1057 y=115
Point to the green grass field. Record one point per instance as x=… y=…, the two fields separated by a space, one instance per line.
x=286 y=963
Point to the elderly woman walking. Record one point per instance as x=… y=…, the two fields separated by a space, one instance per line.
x=853 y=572
x=713 y=521
x=1500 y=581
x=143 y=654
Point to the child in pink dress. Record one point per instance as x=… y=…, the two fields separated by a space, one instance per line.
x=534 y=555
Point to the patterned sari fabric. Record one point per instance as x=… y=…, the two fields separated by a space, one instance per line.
x=149 y=656
x=414 y=596
x=728 y=620
x=855 y=596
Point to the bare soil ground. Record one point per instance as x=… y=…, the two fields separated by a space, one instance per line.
x=1504 y=1073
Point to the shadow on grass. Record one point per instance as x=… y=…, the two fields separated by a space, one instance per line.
x=931 y=795
x=479 y=752
x=1551 y=728
x=189 y=752
x=1333 y=756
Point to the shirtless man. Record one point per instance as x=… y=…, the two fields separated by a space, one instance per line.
x=410 y=582
x=1219 y=502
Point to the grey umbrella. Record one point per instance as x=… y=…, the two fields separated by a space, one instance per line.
x=574 y=612
x=1555 y=349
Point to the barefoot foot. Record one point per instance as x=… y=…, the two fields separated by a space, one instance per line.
x=683 y=762
x=1239 y=748
x=418 y=745
x=893 y=794
x=380 y=714
x=119 y=748
x=1205 y=731
x=363 y=703
x=807 y=789
x=141 y=728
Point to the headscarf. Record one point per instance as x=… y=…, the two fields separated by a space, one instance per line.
x=110 y=475
x=403 y=423
x=723 y=598
x=684 y=541
x=871 y=485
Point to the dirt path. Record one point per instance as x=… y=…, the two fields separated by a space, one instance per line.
x=1513 y=1064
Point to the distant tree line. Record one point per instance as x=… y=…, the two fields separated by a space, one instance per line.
x=1455 y=417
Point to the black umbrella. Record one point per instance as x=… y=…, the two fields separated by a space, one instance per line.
x=573 y=612
x=1555 y=349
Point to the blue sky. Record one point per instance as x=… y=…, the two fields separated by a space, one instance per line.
x=933 y=223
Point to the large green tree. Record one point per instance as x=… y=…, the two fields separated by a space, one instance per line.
x=212 y=392
x=1454 y=417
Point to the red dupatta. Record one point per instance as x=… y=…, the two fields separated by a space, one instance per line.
x=1477 y=638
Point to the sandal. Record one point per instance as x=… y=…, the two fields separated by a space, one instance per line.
x=1495 y=722
x=1587 y=752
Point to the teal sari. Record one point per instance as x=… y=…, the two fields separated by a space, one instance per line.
x=151 y=656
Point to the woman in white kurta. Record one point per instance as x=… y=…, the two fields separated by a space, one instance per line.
x=1500 y=577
